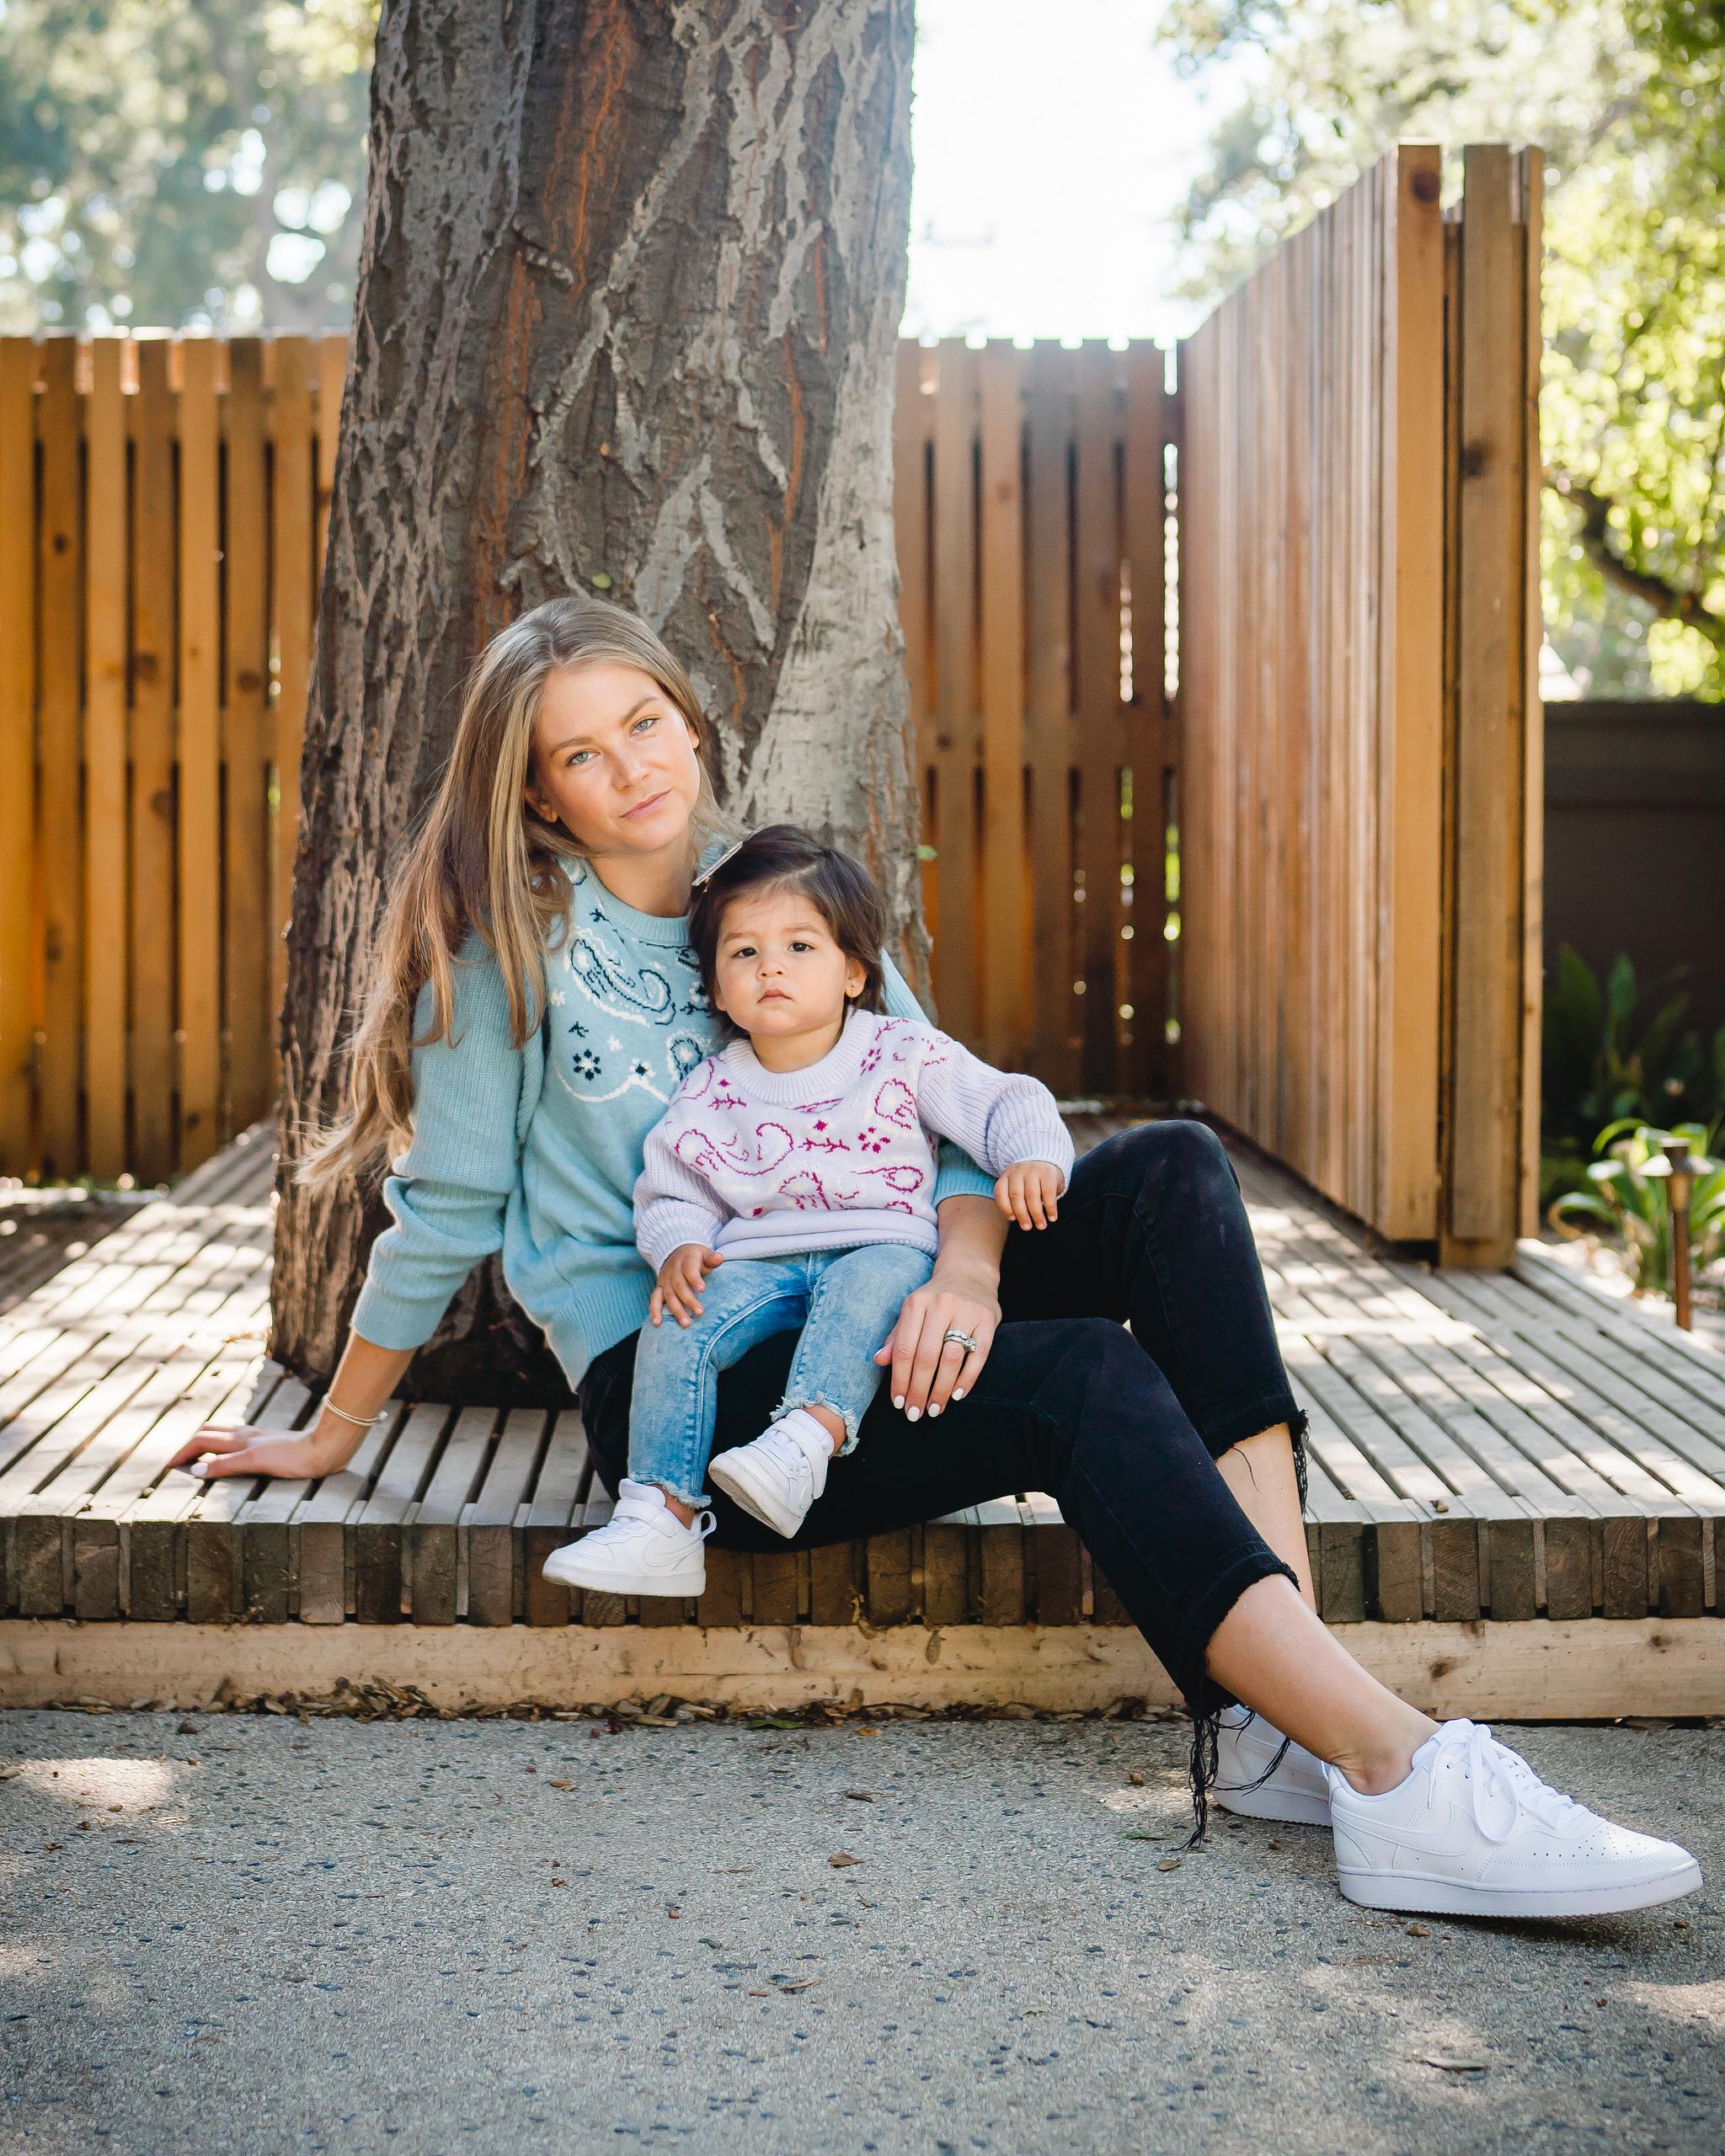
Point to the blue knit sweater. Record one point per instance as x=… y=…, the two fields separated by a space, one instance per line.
x=535 y=1150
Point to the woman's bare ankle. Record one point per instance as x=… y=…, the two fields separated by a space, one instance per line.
x=1386 y=1761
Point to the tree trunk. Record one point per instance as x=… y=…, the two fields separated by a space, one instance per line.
x=629 y=301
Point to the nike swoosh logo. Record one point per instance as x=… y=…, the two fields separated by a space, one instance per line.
x=1453 y=1836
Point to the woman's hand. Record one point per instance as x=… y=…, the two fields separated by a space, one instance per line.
x=1026 y=1193
x=243 y=1449
x=927 y=1368
x=679 y=1281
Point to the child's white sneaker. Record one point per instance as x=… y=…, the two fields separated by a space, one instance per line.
x=1251 y=1780
x=642 y=1549
x=776 y=1478
x=1474 y=1832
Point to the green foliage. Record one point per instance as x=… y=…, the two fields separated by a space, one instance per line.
x=181 y=163
x=1629 y=1196
x=1613 y=1051
x=1630 y=106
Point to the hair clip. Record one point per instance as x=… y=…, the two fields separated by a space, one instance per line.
x=713 y=867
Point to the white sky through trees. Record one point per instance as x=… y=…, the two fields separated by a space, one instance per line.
x=1051 y=142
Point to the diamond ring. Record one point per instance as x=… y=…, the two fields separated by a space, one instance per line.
x=964 y=1339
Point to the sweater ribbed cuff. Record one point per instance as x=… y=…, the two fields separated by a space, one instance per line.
x=960 y=1177
x=669 y=1225
x=1022 y=1130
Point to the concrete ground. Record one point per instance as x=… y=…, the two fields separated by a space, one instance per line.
x=238 y=1935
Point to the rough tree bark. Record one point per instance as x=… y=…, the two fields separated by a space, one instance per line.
x=632 y=279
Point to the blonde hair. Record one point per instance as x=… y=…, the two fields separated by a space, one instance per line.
x=484 y=860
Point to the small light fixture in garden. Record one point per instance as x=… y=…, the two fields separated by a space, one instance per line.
x=1664 y=1193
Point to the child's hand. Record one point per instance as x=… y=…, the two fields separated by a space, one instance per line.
x=1026 y=1193
x=679 y=1279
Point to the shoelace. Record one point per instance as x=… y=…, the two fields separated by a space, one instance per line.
x=1494 y=1771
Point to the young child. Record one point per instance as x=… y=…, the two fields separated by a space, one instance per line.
x=789 y=1184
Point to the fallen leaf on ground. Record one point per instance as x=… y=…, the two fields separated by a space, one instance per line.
x=1135 y=1779
x=860 y=1796
x=1454 y=2062
x=1419 y=1931
x=559 y=1784
x=1167 y=1864
x=803 y=1984
x=842 y=1859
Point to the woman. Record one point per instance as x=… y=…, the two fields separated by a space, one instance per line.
x=536 y=942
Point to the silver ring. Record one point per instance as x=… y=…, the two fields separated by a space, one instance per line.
x=964 y=1339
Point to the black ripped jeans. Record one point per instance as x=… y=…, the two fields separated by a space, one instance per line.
x=1122 y=1429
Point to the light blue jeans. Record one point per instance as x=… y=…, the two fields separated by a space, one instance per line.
x=847 y=1302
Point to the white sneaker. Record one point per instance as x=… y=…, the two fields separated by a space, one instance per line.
x=1293 y=1789
x=1474 y=1832
x=776 y=1478
x=642 y=1549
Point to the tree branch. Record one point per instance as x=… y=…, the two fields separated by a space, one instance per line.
x=1670 y=601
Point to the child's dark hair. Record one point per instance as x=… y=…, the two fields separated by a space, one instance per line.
x=784 y=856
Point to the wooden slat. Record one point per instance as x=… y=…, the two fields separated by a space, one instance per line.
x=60 y=822
x=1048 y=422
x=957 y=736
x=18 y=942
x=104 y=749
x=198 y=821
x=1484 y=1111
x=495 y=1582
x=322 y=1522
x=379 y=1531
x=433 y=1553
x=1096 y=686
x=1008 y=868
x=152 y=914
x=1145 y=1069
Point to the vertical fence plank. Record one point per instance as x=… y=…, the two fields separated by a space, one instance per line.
x=1409 y=866
x=59 y=851
x=1047 y=422
x=104 y=743
x=153 y=809
x=17 y=750
x=291 y=515
x=1096 y=667
x=248 y=1026
x=1485 y=1123
x=1006 y=868
x=957 y=732
x=200 y=750
x=1530 y=176
x=1144 y=522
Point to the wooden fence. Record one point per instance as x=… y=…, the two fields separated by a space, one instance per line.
x=1349 y=778
x=162 y=505
x=1359 y=714
x=1032 y=505
x=162 y=511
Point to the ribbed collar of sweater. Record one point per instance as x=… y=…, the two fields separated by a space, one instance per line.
x=831 y=1078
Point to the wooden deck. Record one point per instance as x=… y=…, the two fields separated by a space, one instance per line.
x=1511 y=1448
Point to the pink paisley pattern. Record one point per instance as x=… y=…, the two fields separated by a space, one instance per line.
x=718 y=1154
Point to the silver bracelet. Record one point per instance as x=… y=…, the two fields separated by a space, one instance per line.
x=359 y=1422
